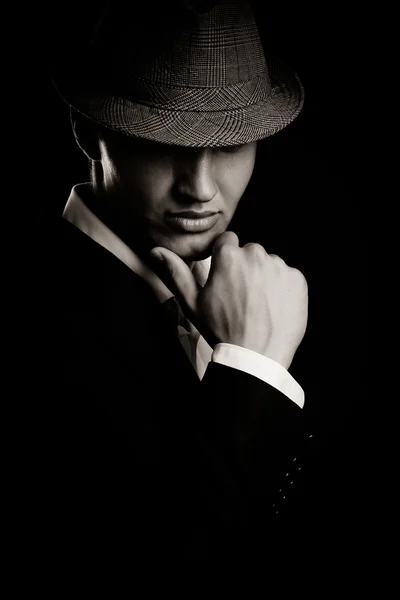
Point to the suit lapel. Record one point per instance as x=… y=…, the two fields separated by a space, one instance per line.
x=120 y=306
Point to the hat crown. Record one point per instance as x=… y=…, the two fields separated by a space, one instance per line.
x=185 y=46
x=183 y=73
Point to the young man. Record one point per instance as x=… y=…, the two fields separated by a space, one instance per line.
x=179 y=428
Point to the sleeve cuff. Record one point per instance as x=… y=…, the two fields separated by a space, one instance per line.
x=260 y=366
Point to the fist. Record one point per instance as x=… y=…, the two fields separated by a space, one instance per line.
x=251 y=299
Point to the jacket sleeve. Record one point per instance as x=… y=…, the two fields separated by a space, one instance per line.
x=255 y=435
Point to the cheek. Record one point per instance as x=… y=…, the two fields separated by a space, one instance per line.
x=146 y=183
x=236 y=179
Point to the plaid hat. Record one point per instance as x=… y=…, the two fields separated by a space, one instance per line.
x=184 y=73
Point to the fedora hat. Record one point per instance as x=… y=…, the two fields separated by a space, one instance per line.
x=184 y=73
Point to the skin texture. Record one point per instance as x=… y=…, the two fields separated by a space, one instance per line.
x=141 y=183
x=251 y=299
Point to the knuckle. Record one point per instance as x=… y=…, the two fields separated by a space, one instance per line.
x=231 y=235
x=298 y=276
x=256 y=250
x=277 y=261
x=228 y=237
x=227 y=252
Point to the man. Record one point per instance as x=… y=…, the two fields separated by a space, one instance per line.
x=177 y=427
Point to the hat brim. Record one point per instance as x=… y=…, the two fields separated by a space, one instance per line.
x=195 y=128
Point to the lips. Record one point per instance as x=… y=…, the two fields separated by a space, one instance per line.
x=193 y=214
x=191 y=221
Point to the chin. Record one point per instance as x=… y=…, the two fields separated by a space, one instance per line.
x=193 y=247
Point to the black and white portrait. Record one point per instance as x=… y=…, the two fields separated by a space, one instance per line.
x=195 y=324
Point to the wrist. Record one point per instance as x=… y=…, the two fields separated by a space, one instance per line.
x=280 y=356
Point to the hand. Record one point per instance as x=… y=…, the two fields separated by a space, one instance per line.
x=251 y=299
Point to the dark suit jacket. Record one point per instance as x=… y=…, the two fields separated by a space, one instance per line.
x=136 y=452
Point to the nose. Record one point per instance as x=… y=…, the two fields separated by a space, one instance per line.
x=195 y=180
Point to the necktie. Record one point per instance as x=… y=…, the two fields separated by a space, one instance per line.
x=174 y=313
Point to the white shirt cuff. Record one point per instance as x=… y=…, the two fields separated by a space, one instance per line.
x=260 y=366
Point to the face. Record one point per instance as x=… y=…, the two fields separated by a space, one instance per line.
x=176 y=197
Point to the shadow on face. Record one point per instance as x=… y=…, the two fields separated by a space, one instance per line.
x=154 y=194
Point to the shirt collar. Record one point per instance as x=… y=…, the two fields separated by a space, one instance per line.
x=77 y=213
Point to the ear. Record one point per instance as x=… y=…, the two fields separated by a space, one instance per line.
x=86 y=135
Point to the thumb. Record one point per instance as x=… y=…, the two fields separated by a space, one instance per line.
x=176 y=274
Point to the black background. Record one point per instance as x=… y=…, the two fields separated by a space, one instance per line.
x=304 y=204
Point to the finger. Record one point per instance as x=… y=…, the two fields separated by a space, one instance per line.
x=177 y=275
x=277 y=258
x=224 y=248
x=256 y=249
x=226 y=238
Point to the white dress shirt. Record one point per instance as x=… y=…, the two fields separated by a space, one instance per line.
x=196 y=347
